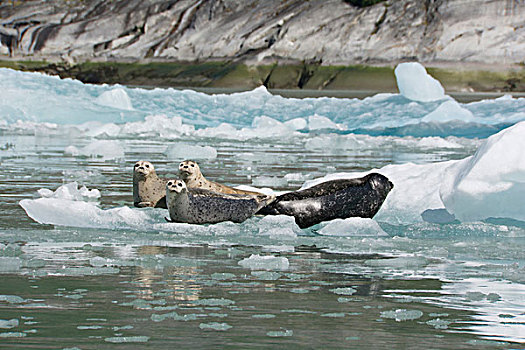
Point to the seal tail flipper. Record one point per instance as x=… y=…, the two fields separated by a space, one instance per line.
x=168 y=220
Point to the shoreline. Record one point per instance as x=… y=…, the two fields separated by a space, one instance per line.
x=312 y=80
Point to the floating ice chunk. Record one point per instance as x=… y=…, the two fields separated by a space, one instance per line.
x=269 y=181
x=56 y=211
x=258 y=262
x=416 y=84
x=12 y=335
x=12 y=299
x=438 y=323
x=352 y=227
x=224 y=130
x=400 y=263
x=344 y=291
x=316 y=122
x=448 y=111
x=7 y=324
x=266 y=275
x=491 y=183
x=181 y=151
x=116 y=98
x=70 y=191
x=98 y=149
x=216 y=326
x=94 y=129
x=214 y=302
x=402 y=315
x=88 y=271
x=134 y=339
x=160 y=125
x=9 y=264
x=263 y=316
x=296 y=124
x=263 y=127
x=335 y=143
x=278 y=226
x=281 y=333
x=334 y=314
x=437 y=142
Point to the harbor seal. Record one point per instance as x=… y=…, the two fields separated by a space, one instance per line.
x=361 y=197
x=201 y=206
x=190 y=172
x=148 y=189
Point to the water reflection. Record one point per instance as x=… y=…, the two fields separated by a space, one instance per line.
x=202 y=289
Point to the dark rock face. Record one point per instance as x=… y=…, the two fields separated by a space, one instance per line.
x=261 y=31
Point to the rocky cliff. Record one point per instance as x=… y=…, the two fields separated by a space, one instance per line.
x=327 y=32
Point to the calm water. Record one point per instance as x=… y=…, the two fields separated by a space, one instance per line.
x=130 y=280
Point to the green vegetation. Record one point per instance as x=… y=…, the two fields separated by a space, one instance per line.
x=285 y=76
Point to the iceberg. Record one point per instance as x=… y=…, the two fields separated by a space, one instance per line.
x=182 y=151
x=448 y=111
x=491 y=183
x=270 y=262
x=116 y=98
x=104 y=149
x=416 y=84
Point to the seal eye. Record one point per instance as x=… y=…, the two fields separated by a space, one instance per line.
x=170 y=183
x=179 y=184
x=147 y=165
x=193 y=165
x=136 y=165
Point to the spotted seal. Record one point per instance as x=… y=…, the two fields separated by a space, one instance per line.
x=201 y=206
x=344 y=198
x=190 y=172
x=148 y=189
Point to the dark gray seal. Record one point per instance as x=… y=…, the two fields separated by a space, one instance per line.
x=200 y=206
x=148 y=189
x=334 y=199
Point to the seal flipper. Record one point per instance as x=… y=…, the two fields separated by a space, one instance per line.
x=168 y=220
x=161 y=203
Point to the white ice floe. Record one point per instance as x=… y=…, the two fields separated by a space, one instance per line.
x=154 y=125
x=180 y=151
x=115 y=98
x=491 y=183
x=316 y=122
x=70 y=191
x=448 y=111
x=104 y=149
x=402 y=314
x=351 y=227
x=416 y=84
x=278 y=227
x=268 y=262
